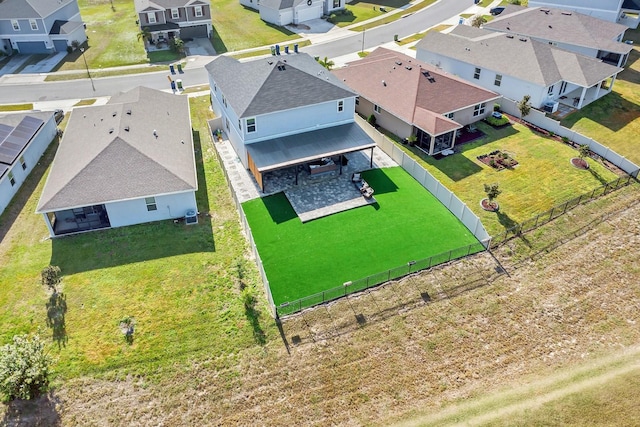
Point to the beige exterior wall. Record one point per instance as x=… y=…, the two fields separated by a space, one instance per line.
x=385 y=119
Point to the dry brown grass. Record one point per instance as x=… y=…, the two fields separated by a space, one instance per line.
x=412 y=348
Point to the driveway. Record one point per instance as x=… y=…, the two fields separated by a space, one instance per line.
x=199 y=46
x=43 y=66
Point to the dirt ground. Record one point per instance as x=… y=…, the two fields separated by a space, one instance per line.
x=411 y=351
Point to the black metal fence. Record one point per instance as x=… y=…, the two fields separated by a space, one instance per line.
x=352 y=287
x=558 y=210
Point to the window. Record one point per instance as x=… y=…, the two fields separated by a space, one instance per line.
x=151 y=17
x=357 y=100
x=251 y=125
x=449 y=116
x=476 y=73
x=226 y=123
x=340 y=106
x=198 y=11
x=239 y=124
x=23 y=163
x=376 y=108
x=224 y=101
x=151 y=203
x=498 y=80
x=550 y=90
x=563 y=87
x=15 y=24
x=336 y=4
x=12 y=179
x=34 y=24
x=478 y=110
x=175 y=14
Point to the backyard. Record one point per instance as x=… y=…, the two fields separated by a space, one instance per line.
x=406 y=224
x=543 y=178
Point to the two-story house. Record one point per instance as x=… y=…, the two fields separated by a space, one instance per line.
x=166 y=19
x=410 y=97
x=566 y=29
x=515 y=66
x=284 y=112
x=39 y=26
x=621 y=11
x=285 y=12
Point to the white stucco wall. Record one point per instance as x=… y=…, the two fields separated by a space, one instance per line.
x=135 y=211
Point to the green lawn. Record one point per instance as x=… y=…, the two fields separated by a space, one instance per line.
x=16 y=107
x=407 y=223
x=179 y=282
x=544 y=177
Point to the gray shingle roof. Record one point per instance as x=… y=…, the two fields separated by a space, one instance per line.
x=528 y=60
x=275 y=84
x=24 y=9
x=142 y=5
x=107 y=154
x=281 y=4
x=64 y=27
x=563 y=27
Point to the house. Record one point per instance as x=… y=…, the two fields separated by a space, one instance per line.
x=410 y=97
x=24 y=137
x=515 y=66
x=568 y=30
x=284 y=112
x=621 y=11
x=285 y=12
x=40 y=26
x=127 y=162
x=166 y=19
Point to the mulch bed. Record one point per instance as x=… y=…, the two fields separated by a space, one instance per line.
x=489 y=206
x=579 y=163
x=498 y=160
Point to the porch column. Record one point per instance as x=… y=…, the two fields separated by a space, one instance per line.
x=584 y=92
x=49 y=226
x=613 y=79
x=453 y=140
x=432 y=144
x=371 y=159
x=598 y=89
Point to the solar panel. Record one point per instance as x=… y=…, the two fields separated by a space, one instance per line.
x=18 y=138
x=3 y=169
x=4 y=131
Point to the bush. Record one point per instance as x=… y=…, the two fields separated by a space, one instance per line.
x=372 y=120
x=496 y=107
x=494 y=121
x=24 y=368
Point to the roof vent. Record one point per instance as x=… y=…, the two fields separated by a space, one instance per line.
x=522 y=39
x=508 y=28
x=407 y=67
x=550 y=26
x=111 y=130
x=425 y=73
x=182 y=141
x=114 y=114
x=270 y=62
x=467 y=49
x=566 y=13
x=509 y=36
x=384 y=83
x=155 y=133
x=126 y=128
x=431 y=79
x=398 y=62
x=129 y=112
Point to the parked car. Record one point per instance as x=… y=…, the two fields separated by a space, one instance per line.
x=58 y=115
x=496 y=10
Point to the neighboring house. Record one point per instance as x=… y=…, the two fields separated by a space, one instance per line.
x=39 y=26
x=621 y=11
x=567 y=30
x=24 y=137
x=166 y=19
x=515 y=66
x=127 y=162
x=285 y=12
x=283 y=111
x=410 y=97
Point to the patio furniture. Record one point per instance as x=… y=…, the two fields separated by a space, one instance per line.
x=364 y=187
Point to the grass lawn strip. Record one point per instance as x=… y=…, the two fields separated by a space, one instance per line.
x=304 y=259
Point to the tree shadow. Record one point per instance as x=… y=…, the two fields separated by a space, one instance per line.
x=56 y=310
x=597 y=176
x=380 y=181
x=41 y=411
x=253 y=316
x=279 y=208
x=217 y=42
x=612 y=111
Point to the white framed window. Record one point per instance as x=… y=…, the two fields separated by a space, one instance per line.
x=34 y=24
x=476 y=73
x=224 y=101
x=376 y=108
x=563 y=87
x=550 y=90
x=239 y=124
x=226 y=123
x=449 y=115
x=340 y=106
x=478 y=110
x=251 y=125
x=175 y=14
x=336 y=4
x=151 y=203
x=357 y=100
x=15 y=24
x=198 y=11
x=498 y=80
x=12 y=179
x=151 y=17
x=23 y=163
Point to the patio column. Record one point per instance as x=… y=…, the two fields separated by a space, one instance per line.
x=49 y=226
x=598 y=89
x=453 y=139
x=613 y=79
x=582 y=94
x=371 y=159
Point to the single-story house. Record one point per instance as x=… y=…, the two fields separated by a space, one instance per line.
x=128 y=162
x=410 y=97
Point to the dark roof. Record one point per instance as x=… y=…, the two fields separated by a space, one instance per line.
x=307 y=146
x=162 y=27
x=137 y=145
x=416 y=92
x=275 y=83
x=519 y=57
x=24 y=9
x=142 y=5
x=64 y=27
x=17 y=130
x=563 y=27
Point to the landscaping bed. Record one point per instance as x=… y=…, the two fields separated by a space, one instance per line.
x=498 y=160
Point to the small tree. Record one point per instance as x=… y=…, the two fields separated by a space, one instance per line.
x=583 y=151
x=477 y=21
x=51 y=277
x=371 y=119
x=177 y=45
x=326 y=63
x=24 y=368
x=492 y=191
x=524 y=106
x=144 y=34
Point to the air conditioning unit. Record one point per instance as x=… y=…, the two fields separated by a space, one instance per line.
x=550 y=106
x=191 y=217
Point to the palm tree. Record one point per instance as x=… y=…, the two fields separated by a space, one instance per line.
x=327 y=63
x=144 y=34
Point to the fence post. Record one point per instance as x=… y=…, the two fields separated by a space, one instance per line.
x=537 y=218
x=565 y=207
x=551 y=214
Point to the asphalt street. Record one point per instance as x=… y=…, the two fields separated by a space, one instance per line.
x=34 y=89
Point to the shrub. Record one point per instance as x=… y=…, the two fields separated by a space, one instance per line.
x=496 y=107
x=372 y=119
x=565 y=139
x=494 y=121
x=24 y=368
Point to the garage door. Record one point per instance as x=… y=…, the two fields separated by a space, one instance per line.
x=60 y=45
x=192 y=32
x=308 y=12
x=32 y=47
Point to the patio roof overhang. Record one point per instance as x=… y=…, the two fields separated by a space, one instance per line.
x=304 y=147
x=169 y=26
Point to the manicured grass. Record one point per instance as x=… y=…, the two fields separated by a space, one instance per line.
x=359 y=11
x=614 y=120
x=267 y=51
x=390 y=17
x=179 y=282
x=106 y=73
x=83 y=102
x=407 y=223
x=544 y=177
x=419 y=36
x=16 y=107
